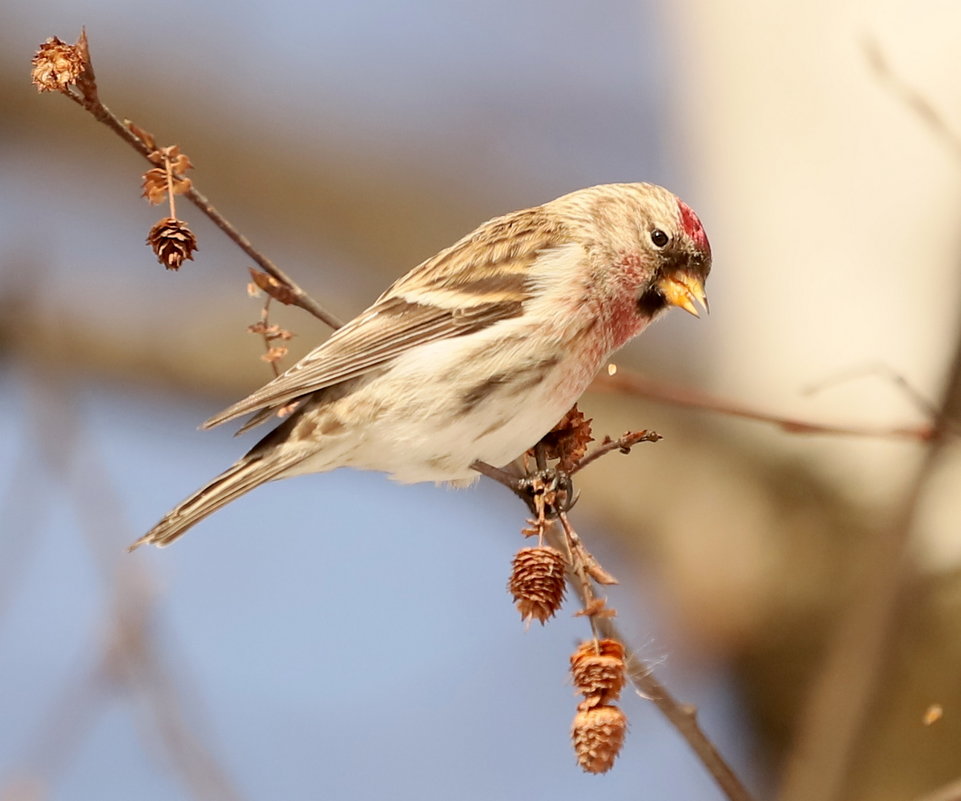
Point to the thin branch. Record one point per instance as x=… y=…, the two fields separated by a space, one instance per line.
x=623 y=444
x=581 y=569
x=929 y=408
x=85 y=94
x=268 y=346
x=631 y=383
x=920 y=401
x=682 y=716
x=503 y=477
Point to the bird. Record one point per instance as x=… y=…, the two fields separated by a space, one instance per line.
x=477 y=352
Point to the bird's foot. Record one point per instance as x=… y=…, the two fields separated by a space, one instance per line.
x=547 y=493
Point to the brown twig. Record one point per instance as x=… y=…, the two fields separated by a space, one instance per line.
x=624 y=443
x=924 y=404
x=942 y=422
x=265 y=334
x=582 y=558
x=502 y=476
x=577 y=575
x=682 y=716
x=632 y=383
x=582 y=568
x=85 y=94
x=270 y=333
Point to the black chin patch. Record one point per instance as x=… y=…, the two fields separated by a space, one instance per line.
x=651 y=302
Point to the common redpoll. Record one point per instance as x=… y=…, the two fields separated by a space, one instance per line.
x=477 y=352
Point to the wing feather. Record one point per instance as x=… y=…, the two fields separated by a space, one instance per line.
x=482 y=279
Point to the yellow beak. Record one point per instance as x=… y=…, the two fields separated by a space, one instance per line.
x=682 y=290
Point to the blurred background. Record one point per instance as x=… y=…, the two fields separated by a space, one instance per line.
x=340 y=636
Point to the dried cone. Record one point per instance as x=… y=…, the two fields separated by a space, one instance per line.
x=597 y=669
x=56 y=66
x=598 y=734
x=172 y=241
x=537 y=582
x=568 y=440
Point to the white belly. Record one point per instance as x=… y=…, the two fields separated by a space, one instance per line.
x=439 y=409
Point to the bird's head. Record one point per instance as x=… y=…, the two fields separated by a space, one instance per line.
x=670 y=243
x=648 y=253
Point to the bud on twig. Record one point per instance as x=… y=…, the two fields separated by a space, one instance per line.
x=280 y=292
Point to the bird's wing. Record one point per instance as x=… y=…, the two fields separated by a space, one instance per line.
x=482 y=279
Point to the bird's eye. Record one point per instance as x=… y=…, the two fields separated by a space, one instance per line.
x=659 y=238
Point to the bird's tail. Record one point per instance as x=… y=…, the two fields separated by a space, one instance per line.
x=243 y=476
